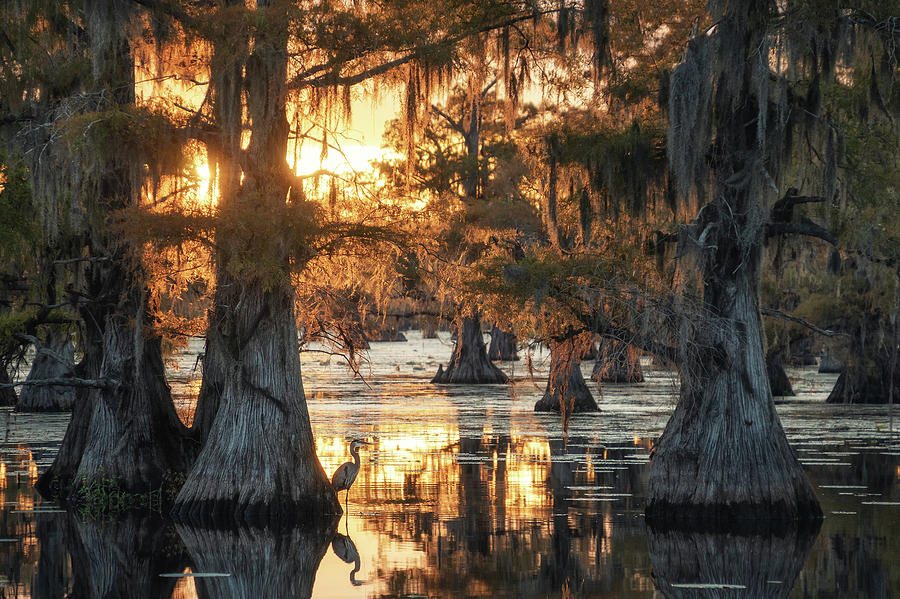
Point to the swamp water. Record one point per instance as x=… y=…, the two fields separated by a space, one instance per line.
x=465 y=492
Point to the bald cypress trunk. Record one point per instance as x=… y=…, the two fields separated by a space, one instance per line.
x=723 y=457
x=129 y=432
x=135 y=436
x=258 y=464
x=778 y=378
x=469 y=364
x=504 y=346
x=7 y=394
x=617 y=362
x=50 y=398
x=57 y=480
x=565 y=383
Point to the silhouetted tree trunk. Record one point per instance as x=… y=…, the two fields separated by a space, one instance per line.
x=830 y=364
x=56 y=481
x=469 y=363
x=617 y=362
x=504 y=346
x=565 y=383
x=866 y=373
x=778 y=378
x=7 y=394
x=39 y=398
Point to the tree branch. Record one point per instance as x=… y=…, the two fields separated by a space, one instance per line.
x=332 y=77
x=803 y=227
x=65 y=382
x=779 y=314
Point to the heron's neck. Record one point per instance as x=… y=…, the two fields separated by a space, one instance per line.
x=355 y=453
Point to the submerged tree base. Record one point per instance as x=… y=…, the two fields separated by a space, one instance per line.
x=565 y=383
x=862 y=388
x=470 y=364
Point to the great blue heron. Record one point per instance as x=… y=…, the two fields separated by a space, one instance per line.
x=346 y=473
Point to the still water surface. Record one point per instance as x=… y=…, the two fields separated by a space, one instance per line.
x=466 y=492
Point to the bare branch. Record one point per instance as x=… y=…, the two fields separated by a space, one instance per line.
x=803 y=227
x=65 y=382
x=779 y=314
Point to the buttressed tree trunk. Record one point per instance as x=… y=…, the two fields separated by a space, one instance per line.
x=723 y=456
x=504 y=346
x=225 y=92
x=7 y=394
x=617 y=362
x=565 y=383
x=470 y=364
x=778 y=378
x=45 y=366
x=866 y=371
x=258 y=464
x=130 y=433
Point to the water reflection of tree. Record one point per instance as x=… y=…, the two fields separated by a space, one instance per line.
x=123 y=558
x=261 y=562
x=560 y=567
x=766 y=564
x=51 y=578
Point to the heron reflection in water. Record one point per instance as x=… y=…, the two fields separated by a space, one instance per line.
x=344 y=547
x=346 y=473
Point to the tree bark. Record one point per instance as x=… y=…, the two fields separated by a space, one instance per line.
x=504 y=346
x=259 y=462
x=7 y=394
x=565 y=383
x=56 y=481
x=723 y=455
x=779 y=382
x=617 y=362
x=44 y=366
x=469 y=364
x=135 y=436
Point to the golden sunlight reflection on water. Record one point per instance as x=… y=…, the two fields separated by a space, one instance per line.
x=466 y=492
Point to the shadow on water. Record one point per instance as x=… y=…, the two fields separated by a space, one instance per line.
x=689 y=565
x=253 y=562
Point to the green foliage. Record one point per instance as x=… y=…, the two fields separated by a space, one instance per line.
x=104 y=496
x=18 y=230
